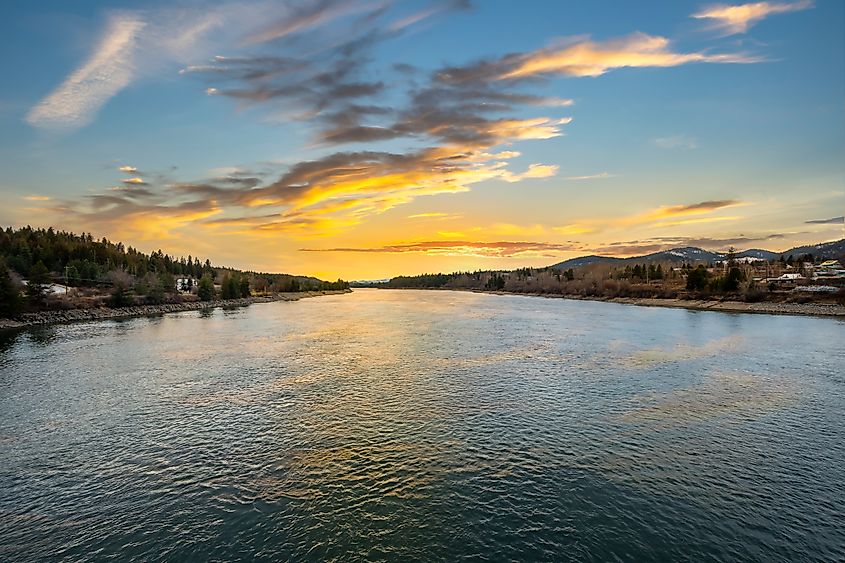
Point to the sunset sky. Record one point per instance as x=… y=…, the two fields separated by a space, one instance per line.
x=366 y=139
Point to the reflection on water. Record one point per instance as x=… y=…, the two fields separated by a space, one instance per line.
x=395 y=425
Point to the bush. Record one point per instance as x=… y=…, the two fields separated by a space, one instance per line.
x=120 y=297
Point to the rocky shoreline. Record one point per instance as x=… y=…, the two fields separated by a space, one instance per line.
x=103 y=313
x=763 y=307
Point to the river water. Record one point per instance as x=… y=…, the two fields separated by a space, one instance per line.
x=414 y=425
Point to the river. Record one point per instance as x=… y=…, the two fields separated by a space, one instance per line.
x=425 y=425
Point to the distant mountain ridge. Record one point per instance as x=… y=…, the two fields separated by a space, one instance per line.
x=692 y=254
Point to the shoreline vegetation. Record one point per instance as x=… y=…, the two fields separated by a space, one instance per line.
x=802 y=284
x=39 y=318
x=54 y=276
x=762 y=307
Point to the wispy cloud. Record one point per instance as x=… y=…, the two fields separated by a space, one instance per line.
x=585 y=57
x=677 y=142
x=462 y=248
x=435 y=215
x=599 y=176
x=128 y=169
x=732 y=19
x=665 y=212
x=658 y=244
x=107 y=71
x=832 y=221
x=37 y=198
x=132 y=44
x=305 y=16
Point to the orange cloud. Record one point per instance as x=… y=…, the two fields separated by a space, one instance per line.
x=462 y=248
x=591 y=58
x=738 y=19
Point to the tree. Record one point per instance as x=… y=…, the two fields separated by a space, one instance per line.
x=10 y=294
x=39 y=279
x=229 y=287
x=120 y=296
x=734 y=276
x=155 y=292
x=72 y=276
x=243 y=286
x=205 y=288
x=697 y=279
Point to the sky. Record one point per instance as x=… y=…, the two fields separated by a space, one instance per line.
x=365 y=139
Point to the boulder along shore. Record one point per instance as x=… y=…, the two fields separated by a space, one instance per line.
x=103 y=313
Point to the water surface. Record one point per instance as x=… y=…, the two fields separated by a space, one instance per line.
x=397 y=425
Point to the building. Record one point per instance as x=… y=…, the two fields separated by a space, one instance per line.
x=185 y=284
x=787 y=279
x=829 y=269
x=50 y=288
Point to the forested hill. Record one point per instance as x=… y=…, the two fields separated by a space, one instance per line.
x=84 y=259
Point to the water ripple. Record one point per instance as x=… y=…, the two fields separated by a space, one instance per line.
x=403 y=425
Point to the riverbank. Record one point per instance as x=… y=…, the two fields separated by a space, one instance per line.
x=104 y=313
x=763 y=307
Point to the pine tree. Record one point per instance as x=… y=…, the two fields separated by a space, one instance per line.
x=10 y=295
x=39 y=278
x=205 y=288
x=243 y=287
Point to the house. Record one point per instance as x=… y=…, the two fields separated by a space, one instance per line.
x=185 y=284
x=787 y=279
x=50 y=288
x=830 y=269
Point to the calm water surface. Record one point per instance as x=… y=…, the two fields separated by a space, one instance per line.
x=398 y=425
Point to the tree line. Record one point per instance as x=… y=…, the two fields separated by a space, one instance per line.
x=45 y=256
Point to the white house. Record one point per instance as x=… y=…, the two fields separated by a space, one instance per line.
x=185 y=284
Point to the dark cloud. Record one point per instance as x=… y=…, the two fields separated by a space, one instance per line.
x=707 y=205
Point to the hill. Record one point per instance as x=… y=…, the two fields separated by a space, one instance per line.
x=694 y=255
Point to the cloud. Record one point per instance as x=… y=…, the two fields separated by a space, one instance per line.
x=303 y=17
x=37 y=198
x=585 y=57
x=732 y=19
x=574 y=229
x=658 y=244
x=435 y=215
x=663 y=215
x=501 y=249
x=128 y=169
x=457 y=125
x=136 y=181
x=107 y=71
x=677 y=142
x=697 y=221
x=599 y=176
x=534 y=171
x=133 y=44
x=832 y=221
x=124 y=218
